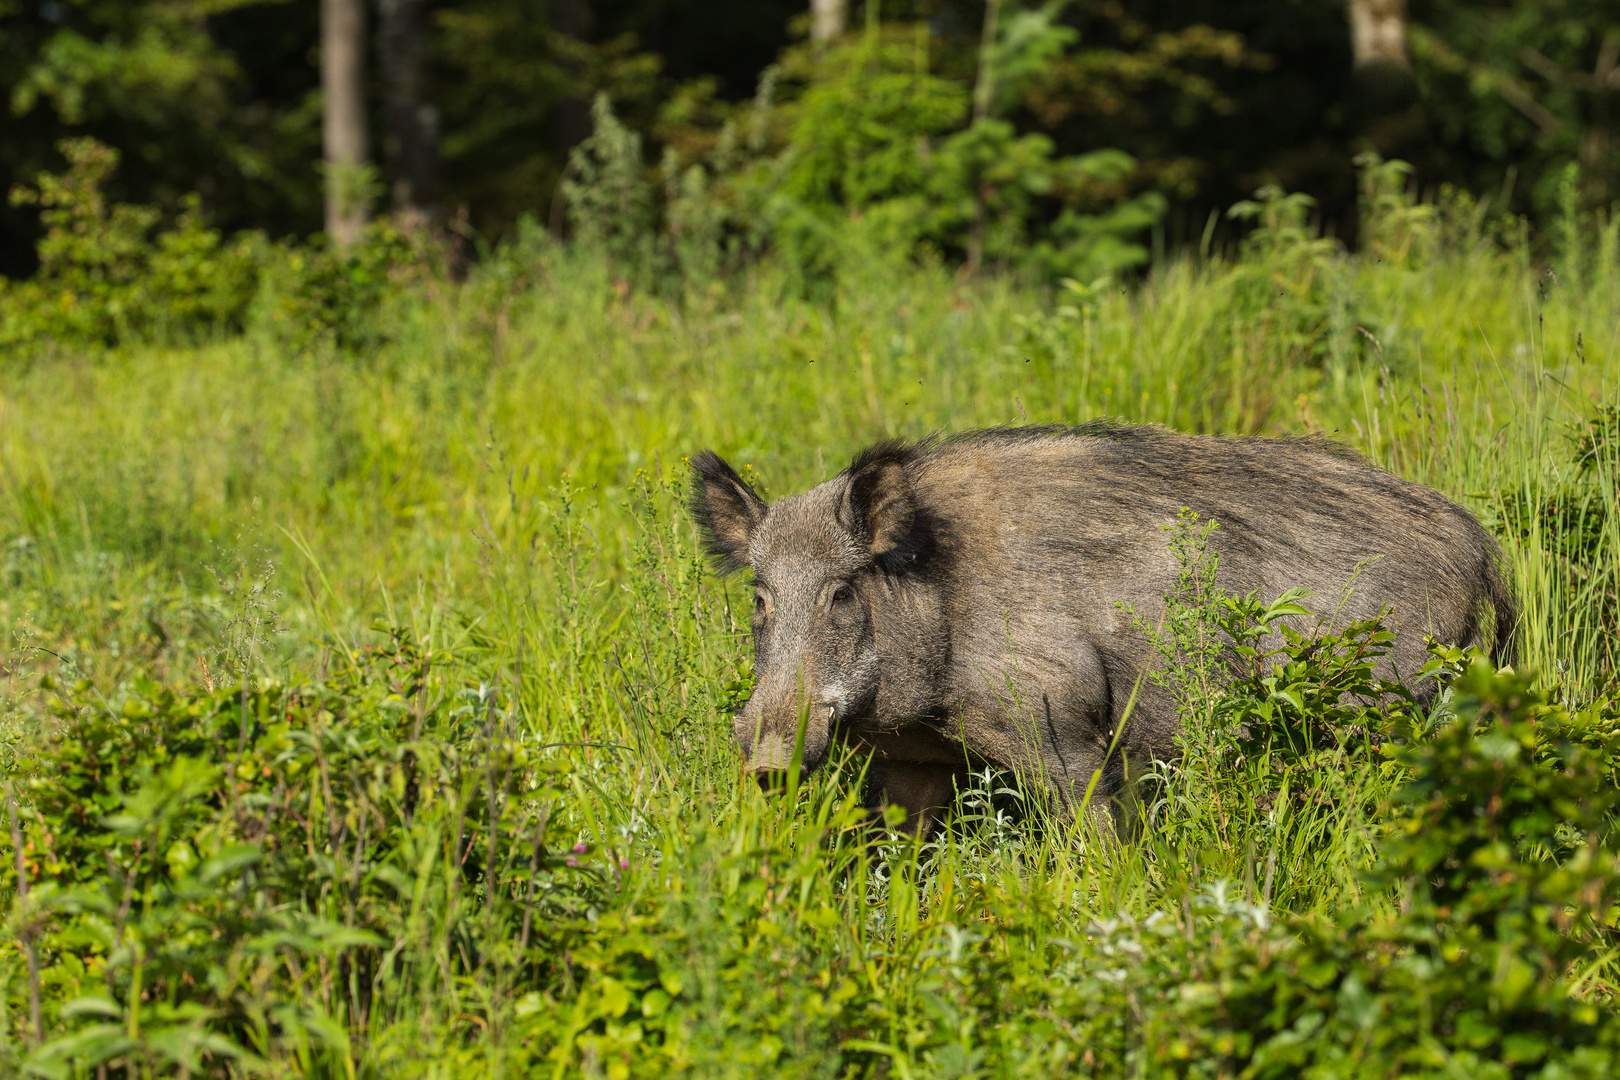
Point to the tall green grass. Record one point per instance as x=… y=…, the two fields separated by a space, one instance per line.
x=494 y=489
x=1464 y=371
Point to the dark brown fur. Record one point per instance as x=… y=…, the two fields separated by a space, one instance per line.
x=958 y=600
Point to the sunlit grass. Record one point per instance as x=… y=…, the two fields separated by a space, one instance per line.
x=500 y=480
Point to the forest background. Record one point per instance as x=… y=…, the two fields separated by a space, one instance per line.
x=464 y=114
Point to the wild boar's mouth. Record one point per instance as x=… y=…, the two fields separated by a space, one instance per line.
x=769 y=747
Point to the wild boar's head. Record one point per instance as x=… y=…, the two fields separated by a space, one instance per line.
x=820 y=591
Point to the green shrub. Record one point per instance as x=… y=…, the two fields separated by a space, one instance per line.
x=880 y=138
x=314 y=294
x=1282 y=716
x=876 y=158
x=224 y=879
x=105 y=275
x=113 y=273
x=1504 y=867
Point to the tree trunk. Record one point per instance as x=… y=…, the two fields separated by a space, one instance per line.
x=1381 y=76
x=412 y=145
x=1378 y=32
x=343 y=117
x=828 y=20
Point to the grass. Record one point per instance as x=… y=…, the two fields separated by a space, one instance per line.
x=455 y=562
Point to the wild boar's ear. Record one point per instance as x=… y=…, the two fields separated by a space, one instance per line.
x=726 y=510
x=879 y=508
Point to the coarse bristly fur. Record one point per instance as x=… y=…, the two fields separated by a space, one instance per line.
x=959 y=600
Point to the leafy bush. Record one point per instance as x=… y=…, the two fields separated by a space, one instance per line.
x=223 y=879
x=115 y=272
x=103 y=273
x=609 y=199
x=1282 y=714
x=875 y=157
x=878 y=136
x=1503 y=862
x=311 y=294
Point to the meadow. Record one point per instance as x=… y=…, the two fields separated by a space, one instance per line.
x=367 y=701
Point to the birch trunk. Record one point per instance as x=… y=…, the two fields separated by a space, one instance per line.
x=1382 y=84
x=343 y=117
x=828 y=20
x=1378 y=33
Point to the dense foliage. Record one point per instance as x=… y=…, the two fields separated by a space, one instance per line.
x=1187 y=107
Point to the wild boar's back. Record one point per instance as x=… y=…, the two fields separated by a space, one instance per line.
x=1073 y=522
x=1039 y=535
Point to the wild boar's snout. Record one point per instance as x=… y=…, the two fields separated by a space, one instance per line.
x=768 y=726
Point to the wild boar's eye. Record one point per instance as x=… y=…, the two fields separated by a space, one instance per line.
x=843 y=594
x=759 y=603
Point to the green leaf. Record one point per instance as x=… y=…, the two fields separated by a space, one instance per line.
x=229 y=861
x=92 y=1006
x=87 y=1047
x=615 y=997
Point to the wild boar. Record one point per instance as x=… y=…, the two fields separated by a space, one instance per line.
x=958 y=600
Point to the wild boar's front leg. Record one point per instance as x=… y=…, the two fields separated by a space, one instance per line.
x=915 y=767
x=925 y=789
x=1066 y=716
